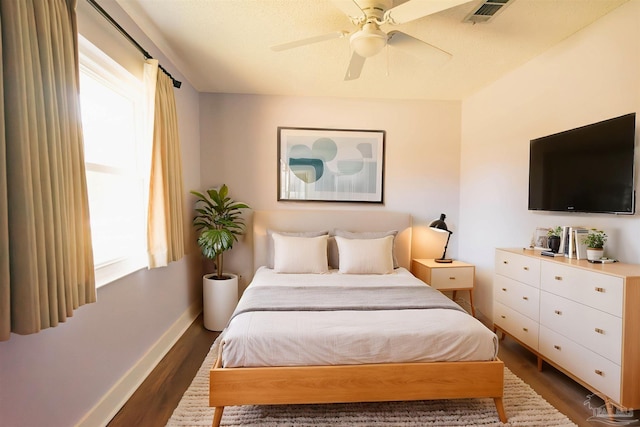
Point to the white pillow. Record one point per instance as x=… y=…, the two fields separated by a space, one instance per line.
x=300 y=254
x=365 y=256
x=334 y=261
x=270 y=233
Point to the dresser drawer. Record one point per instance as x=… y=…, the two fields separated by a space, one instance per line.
x=516 y=325
x=599 y=372
x=522 y=298
x=596 y=290
x=594 y=329
x=518 y=267
x=452 y=278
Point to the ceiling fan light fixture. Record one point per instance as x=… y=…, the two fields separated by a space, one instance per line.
x=369 y=40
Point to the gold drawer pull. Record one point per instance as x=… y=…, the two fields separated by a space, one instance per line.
x=525 y=329
x=558 y=277
x=599 y=372
x=558 y=312
x=526 y=268
x=525 y=298
x=557 y=347
x=504 y=289
x=505 y=262
x=598 y=289
x=600 y=331
x=503 y=316
x=452 y=278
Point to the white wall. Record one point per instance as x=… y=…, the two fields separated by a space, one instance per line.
x=592 y=76
x=469 y=161
x=57 y=376
x=239 y=148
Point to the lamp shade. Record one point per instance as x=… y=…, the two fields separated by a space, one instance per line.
x=441 y=226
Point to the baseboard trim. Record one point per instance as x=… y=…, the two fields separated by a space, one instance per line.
x=117 y=396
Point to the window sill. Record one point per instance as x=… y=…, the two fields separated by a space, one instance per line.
x=112 y=271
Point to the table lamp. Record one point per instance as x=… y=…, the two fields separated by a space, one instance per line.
x=440 y=226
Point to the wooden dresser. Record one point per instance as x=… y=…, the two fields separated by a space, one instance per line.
x=582 y=318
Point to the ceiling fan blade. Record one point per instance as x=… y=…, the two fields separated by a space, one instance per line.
x=355 y=67
x=309 y=40
x=416 y=47
x=349 y=8
x=414 y=9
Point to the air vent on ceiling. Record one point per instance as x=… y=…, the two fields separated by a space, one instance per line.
x=487 y=10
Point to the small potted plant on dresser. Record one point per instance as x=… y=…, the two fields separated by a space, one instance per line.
x=219 y=222
x=595 y=241
x=554 y=238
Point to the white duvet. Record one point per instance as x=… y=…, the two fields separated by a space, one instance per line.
x=284 y=338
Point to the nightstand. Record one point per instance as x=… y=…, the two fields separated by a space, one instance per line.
x=454 y=276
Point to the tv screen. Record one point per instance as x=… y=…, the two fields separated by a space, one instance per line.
x=587 y=169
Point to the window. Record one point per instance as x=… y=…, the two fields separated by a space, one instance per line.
x=112 y=118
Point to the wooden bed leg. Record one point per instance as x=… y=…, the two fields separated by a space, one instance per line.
x=500 y=408
x=539 y=364
x=610 y=408
x=217 y=416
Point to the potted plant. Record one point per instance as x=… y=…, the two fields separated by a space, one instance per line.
x=595 y=241
x=554 y=237
x=219 y=222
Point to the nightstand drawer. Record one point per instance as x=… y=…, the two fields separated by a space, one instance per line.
x=446 y=276
x=452 y=278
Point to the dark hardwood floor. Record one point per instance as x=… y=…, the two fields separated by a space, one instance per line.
x=154 y=401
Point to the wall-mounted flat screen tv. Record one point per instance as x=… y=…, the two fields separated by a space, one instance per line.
x=587 y=169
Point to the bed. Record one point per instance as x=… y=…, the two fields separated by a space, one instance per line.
x=323 y=338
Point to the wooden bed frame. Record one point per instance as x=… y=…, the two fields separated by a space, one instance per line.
x=348 y=383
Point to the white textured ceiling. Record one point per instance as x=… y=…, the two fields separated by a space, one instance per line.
x=224 y=45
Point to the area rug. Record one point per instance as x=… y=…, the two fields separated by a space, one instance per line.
x=524 y=407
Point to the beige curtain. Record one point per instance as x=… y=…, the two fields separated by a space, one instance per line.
x=5 y=293
x=165 y=233
x=46 y=265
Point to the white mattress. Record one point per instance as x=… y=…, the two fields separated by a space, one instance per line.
x=283 y=338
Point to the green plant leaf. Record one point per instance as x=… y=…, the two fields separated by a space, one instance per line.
x=219 y=220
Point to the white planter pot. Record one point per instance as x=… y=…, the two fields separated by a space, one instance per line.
x=219 y=299
x=594 y=254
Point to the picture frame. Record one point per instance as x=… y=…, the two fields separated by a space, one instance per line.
x=540 y=239
x=330 y=165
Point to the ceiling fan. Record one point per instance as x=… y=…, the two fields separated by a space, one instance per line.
x=369 y=39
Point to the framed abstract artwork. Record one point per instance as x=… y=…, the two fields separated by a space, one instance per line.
x=330 y=165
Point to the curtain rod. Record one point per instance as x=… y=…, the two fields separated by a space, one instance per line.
x=122 y=31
